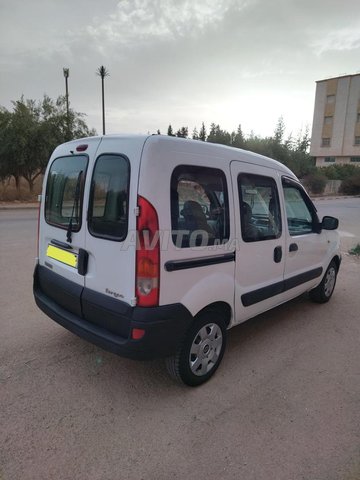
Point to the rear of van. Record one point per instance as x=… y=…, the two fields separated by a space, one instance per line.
x=95 y=273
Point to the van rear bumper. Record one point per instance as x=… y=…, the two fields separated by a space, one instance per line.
x=164 y=326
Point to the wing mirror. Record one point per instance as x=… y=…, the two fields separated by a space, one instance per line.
x=329 y=223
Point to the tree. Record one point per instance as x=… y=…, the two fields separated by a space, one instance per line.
x=202 y=133
x=30 y=133
x=195 y=134
x=182 y=132
x=217 y=135
x=237 y=139
x=279 y=131
x=170 y=131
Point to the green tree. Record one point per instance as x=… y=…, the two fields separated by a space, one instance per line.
x=237 y=138
x=279 y=131
x=202 y=133
x=217 y=135
x=182 y=132
x=170 y=131
x=195 y=134
x=31 y=132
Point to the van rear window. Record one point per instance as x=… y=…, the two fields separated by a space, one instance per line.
x=109 y=198
x=64 y=191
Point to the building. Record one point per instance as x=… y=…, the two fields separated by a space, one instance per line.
x=336 y=124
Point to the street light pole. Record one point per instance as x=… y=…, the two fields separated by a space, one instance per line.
x=66 y=75
x=102 y=72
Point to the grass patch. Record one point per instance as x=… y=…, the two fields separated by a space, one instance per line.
x=355 y=250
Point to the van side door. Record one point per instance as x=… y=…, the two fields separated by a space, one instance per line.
x=260 y=260
x=306 y=246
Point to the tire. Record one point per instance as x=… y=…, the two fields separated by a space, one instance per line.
x=201 y=352
x=322 y=293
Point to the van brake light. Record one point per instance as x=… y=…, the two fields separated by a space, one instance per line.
x=147 y=255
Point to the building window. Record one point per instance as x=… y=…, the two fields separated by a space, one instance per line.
x=330 y=98
x=326 y=142
x=329 y=159
x=358 y=118
x=357 y=140
x=354 y=159
x=328 y=120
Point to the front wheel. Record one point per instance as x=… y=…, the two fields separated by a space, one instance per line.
x=201 y=352
x=322 y=293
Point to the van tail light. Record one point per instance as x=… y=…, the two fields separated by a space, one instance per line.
x=147 y=255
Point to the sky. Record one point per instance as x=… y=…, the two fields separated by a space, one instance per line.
x=179 y=62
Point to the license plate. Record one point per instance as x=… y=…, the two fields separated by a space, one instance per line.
x=63 y=256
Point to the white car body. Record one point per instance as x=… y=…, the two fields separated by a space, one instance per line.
x=87 y=272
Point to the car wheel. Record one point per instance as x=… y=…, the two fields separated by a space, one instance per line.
x=201 y=351
x=322 y=293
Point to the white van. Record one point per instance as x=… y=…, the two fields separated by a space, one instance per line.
x=154 y=246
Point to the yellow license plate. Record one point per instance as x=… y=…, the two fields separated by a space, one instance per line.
x=62 y=256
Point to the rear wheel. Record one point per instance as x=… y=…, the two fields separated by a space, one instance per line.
x=201 y=351
x=322 y=293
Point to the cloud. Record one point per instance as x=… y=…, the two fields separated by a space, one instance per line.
x=178 y=61
x=137 y=22
x=343 y=39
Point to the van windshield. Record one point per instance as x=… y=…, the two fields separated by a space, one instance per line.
x=64 y=191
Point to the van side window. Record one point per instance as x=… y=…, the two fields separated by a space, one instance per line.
x=109 y=198
x=199 y=206
x=259 y=208
x=301 y=217
x=63 y=199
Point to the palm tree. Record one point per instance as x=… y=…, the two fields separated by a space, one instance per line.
x=102 y=72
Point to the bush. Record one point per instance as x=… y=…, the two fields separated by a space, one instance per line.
x=339 y=172
x=355 y=250
x=351 y=186
x=316 y=182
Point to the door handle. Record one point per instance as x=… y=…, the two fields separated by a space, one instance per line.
x=293 y=247
x=60 y=244
x=277 y=254
x=83 y=258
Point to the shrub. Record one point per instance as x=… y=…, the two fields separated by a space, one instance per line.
x=355 y=250
x=351 y=186
x=339 y=172
x=316 y=182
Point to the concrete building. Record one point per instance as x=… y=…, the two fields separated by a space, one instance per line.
x=336 y=125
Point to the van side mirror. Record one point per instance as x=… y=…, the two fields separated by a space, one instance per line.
x=329 y=223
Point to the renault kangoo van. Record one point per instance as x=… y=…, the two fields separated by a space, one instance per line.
x=155 y=246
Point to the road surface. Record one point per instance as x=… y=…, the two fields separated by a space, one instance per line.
x=284 y=405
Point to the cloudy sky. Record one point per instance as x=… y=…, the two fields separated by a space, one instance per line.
x=179 y=61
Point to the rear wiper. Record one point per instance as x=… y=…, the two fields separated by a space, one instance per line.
x=75 y=207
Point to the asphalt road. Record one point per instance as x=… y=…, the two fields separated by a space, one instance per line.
x=284 y=405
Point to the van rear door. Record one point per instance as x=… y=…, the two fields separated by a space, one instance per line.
x=63 y=224
x=111 y=233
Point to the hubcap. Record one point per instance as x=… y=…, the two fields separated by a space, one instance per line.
x=205 y=349
x=330 y=281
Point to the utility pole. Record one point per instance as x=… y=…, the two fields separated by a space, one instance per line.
x=102 y=72
x=66 y=75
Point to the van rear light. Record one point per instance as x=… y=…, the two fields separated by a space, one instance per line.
x=147 y=255
x=81 y=148
x=137 y=333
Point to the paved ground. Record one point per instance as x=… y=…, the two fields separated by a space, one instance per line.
x=284 y=405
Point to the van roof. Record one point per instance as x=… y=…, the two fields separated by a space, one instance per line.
x=189 y=145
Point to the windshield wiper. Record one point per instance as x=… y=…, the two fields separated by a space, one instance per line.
x=75 y=207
